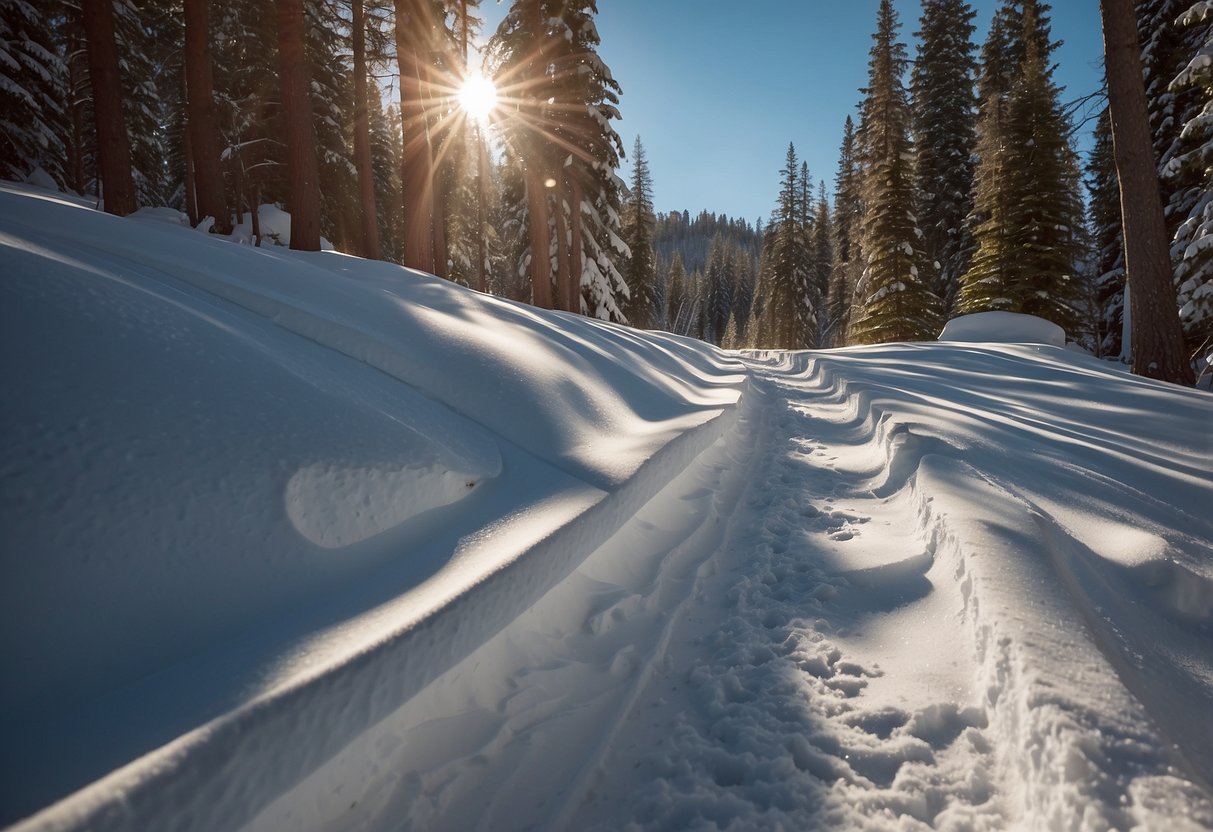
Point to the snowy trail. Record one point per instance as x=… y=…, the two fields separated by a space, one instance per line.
x=894 y=639
x=831 y=619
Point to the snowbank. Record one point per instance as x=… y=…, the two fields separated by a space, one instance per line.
x=212 y=452
x=1003 y=328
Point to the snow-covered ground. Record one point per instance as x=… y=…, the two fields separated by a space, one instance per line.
x=302 y=541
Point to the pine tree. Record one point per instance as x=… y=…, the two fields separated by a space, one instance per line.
x=788 y=311
x=847 y=213
x=638 y=229
x=1027 y=205
x=1103 y=189
x=560 y=140
x=823 y=265
x=944 y=135
x=33 y=91
x=678 y=297
x=719 y=297
x=743 y=295
x=895 y=302
x=1192 y=248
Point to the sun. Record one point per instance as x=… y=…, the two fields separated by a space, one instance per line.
x=478 y=97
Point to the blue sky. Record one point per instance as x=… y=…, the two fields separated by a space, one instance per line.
x=716 y=89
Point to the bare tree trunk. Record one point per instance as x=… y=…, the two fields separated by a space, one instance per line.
x=577 y=250
x=113 y=143
x=541 y=244
x=1158 y=347
x=200 y=105
x=416 y=174
x=362 y=137
x=563 y=295
x=303 y=170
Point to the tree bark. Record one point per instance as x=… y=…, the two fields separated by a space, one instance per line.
x=362 y=137
x=302 y=167
x=113 y=142
x=416 y=166
x=1158 y=347
x=541 y=243
x=200 y=106
x=576 y=251
x=563 y=295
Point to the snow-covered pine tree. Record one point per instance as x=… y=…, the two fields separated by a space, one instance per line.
x=33 y=90
x=847 y=212
x=808 y=311
x=1103 y=199
x=823 y=264
x=944 y=136
x=638 y=227
x=590 y=97
x=788 y=317
x=1192 y=249
x=895 y=302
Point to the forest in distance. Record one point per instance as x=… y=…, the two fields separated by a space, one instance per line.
x=379 y=126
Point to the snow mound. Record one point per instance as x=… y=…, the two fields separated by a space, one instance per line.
x=1003 y=328
x=215 y=457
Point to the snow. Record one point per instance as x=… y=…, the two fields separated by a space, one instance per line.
x=302 y=541
x=1003 y=328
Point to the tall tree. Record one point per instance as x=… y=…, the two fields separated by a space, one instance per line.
x=1157 y=339
x=944 y=135
x=895 y=302
x=788 y=313
x=414 y=42
x=1027 y=205
x=1191 y=169
x=200 y=119
x=113 y=142
x=847 y=213
x=638 y=227
x=302 y=166
x=362 y=134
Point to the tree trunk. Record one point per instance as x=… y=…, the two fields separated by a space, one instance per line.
x=362 y=137
x=200 y=106
x=113 y=143
x=481 y=209
x=302 y=168
x=1158 y=350
x=564 y=298
x=576 y=251
x=416 y=174
x=541 y=244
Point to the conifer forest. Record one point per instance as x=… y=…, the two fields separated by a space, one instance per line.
x=402 y=131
